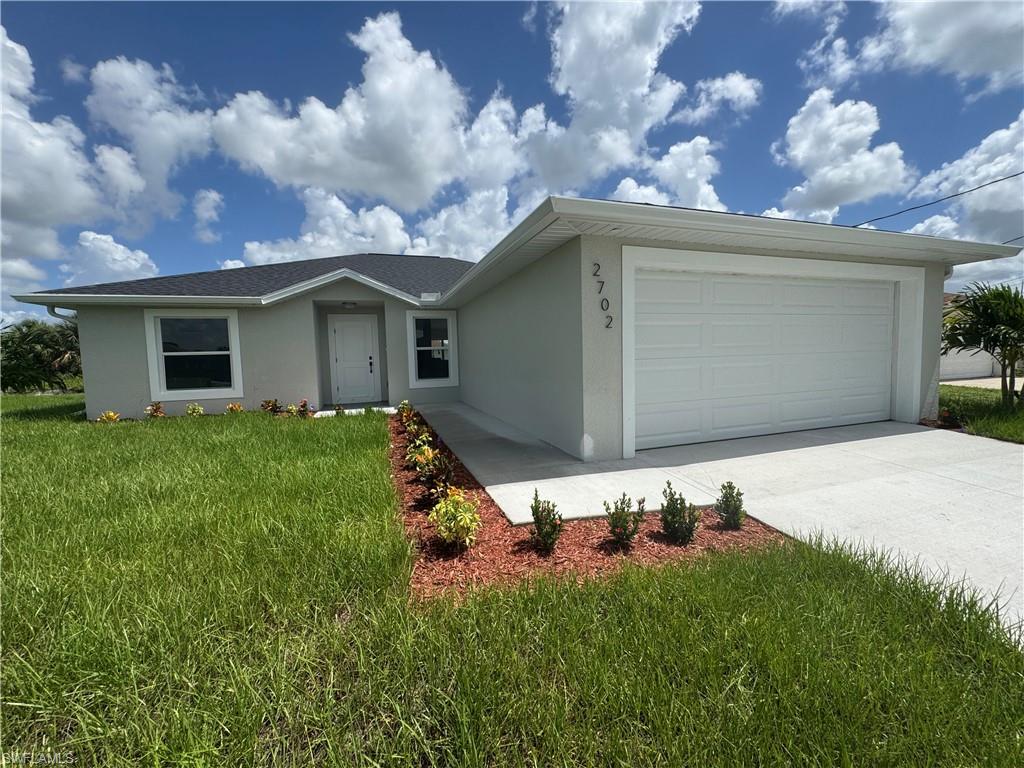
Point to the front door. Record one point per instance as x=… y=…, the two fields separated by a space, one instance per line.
x=355 y=358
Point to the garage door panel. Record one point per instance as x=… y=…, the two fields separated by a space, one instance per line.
x=796 y=294
x=668 y=384
x=806 y=412
x=732 y=337
x=869 y=299
x=741 y=293
x=758 y=355
x=672 y=292
x=743 y=415
x=668 y=338
x=798 y=333
x=866 y=333
x=676 y=426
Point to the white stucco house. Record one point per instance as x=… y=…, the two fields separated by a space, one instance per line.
x=599 y=327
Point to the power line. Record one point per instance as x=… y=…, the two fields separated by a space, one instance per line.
x=942 y=200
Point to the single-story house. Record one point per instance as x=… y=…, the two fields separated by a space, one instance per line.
x=600 y=327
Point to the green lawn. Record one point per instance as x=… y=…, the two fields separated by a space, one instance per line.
x=233 y=591
x=982 y=413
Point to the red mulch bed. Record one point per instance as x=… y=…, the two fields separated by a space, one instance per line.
x=504 y=553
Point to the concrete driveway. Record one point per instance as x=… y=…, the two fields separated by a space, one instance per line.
x=951 y=501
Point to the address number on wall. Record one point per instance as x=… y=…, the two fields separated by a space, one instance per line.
x=604 y=303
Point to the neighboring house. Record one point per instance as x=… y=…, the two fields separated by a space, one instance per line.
x=600 y=327
x=957 y=364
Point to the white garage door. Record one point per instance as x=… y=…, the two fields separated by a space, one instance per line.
x=964 y=365
x=721 y=356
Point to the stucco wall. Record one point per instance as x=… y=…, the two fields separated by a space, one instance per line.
x=283 y=353
x=520 y=350
x=602 y=348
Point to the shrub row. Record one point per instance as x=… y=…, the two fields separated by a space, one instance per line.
x=679 y=519
x=455 y=515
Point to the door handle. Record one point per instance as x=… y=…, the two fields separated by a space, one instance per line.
x=371 y=363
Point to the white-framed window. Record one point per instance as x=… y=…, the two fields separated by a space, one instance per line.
x=433 y=348
x=193 y=354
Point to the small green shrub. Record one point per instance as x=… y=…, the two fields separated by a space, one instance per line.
x=404 y=411
x=194 y=409
x=456 y=518
x=678 y=519
x=547 y=523
x=439 y=472
x=155 y=410
x=730 y=507
x=623 y=520
x=419 y=451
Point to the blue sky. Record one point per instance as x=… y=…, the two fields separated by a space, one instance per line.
x=144 y=139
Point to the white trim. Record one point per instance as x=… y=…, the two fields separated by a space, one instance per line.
x=61 y=299
x=332 y=321
x=908 y=320
x=453 y=348
x=154 y=356
x=331 y=277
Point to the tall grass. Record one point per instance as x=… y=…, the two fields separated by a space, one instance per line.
x=982 y=412
x=231 y=591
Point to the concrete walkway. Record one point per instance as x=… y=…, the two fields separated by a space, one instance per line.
x=990 y=382
x=952 y=501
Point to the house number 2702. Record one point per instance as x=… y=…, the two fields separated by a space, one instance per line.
x=605 y=304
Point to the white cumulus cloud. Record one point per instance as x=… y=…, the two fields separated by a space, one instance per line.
x=207 y=206
x=331 y=228
x=736 y=91
x=154 y=114
x=831 y=145
x=631 y=191
x=466 y=230
x=100 y=259
x=395 y=136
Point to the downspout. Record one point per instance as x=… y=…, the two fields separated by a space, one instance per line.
x=52 y=311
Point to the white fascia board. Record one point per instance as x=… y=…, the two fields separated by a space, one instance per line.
x=541 y=217
x=330 y=277
x=77 y=299
x=903 y=245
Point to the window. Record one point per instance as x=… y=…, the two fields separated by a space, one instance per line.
x=433 y=351
x=193 y=354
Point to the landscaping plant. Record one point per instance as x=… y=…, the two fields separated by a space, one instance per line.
x=730 y=507
x=456 y=518
x=271 y=406
x=678 y=519
x=547 y=523
x=109 y=417
x=404 y=412
x=155 y=410
x=194 y=409
x=234 y=408
x=623 y=520
x=439 y=473
x=303 y=411
x=36 y=355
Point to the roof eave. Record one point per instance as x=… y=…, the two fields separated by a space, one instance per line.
x=112 y=299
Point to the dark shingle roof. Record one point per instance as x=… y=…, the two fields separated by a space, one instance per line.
x=411 y=274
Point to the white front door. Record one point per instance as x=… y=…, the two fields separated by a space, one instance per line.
x=355 y=358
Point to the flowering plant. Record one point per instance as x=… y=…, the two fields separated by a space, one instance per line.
x=194 y=409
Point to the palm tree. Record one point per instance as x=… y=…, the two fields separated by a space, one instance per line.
x=38 y=355
x=989 y=319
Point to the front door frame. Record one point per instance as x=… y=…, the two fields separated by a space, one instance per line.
x=372 y=320
x=908 y=319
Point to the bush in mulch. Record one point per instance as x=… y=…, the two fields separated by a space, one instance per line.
x=547 y=523
x=678 y=519
x=505 y=555
x=730 y=507
x=623 y=520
